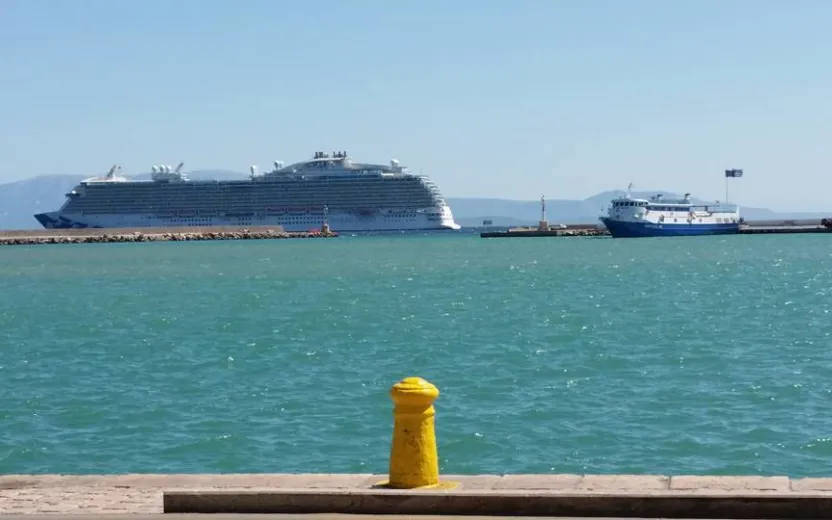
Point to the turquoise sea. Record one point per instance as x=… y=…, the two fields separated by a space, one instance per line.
x=673 y=355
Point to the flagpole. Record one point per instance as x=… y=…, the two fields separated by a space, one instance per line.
x=726 y=188
x=731 y=174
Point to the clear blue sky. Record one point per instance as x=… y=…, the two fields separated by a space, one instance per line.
x=491 y=98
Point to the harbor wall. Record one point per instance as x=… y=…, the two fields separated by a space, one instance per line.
x=84 y=232
x=185 y=234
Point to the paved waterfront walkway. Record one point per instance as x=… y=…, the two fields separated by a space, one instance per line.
x=137 y=494
x=289 y=517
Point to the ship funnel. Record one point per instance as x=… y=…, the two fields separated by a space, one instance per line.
x=154 y=169
x=394 y=163
x=253 y=170
x=179 y=167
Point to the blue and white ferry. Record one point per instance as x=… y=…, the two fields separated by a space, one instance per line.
x=629 y=217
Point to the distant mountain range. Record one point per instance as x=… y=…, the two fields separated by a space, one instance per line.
x=19 y=201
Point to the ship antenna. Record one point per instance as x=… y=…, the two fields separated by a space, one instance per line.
x=542 y=208
x=629 y=189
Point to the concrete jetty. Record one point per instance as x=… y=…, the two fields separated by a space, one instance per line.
x=782 y=230
x=114 y=235
x=414 y=486
x=546 y=230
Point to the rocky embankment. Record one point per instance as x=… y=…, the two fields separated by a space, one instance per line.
x=18 y=238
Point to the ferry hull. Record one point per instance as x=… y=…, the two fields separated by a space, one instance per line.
x=628 y=229
x=340 y=222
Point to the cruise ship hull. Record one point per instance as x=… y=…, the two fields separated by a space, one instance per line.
x=630 y=229
x=340 y=222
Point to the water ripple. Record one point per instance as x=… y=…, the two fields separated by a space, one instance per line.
x=602 y=356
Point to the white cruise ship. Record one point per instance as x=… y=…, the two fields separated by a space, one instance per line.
x=351 y=196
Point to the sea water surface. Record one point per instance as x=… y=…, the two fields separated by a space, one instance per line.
x=678 y=355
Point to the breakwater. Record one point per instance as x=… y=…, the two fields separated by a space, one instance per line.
x=180 y=234
x=782 y=230
x=768 y=227
x=573 y=231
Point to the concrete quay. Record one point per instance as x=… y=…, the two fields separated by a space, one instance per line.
x=114 y=235
x=646 y=496
x=782 y=230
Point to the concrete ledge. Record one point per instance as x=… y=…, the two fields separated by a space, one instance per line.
x=506 y=503
x=647 y=496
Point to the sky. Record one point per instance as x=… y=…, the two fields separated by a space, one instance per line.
x=508 y=99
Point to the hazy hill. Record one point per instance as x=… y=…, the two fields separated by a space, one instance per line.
x=19 y=201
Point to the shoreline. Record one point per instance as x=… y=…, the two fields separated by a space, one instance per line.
x=180 y=234
x=648 y=496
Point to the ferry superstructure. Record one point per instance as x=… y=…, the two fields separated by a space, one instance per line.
x=629 y=217
x=351 y=196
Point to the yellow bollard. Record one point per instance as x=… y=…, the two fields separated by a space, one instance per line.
x=414 y=461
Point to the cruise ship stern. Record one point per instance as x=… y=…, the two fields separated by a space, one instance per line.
x=448 y=219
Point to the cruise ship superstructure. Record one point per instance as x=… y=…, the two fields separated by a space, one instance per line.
x=351 y=196
x=634 y=217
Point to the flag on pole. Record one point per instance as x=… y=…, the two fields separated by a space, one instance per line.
x=733 y=173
